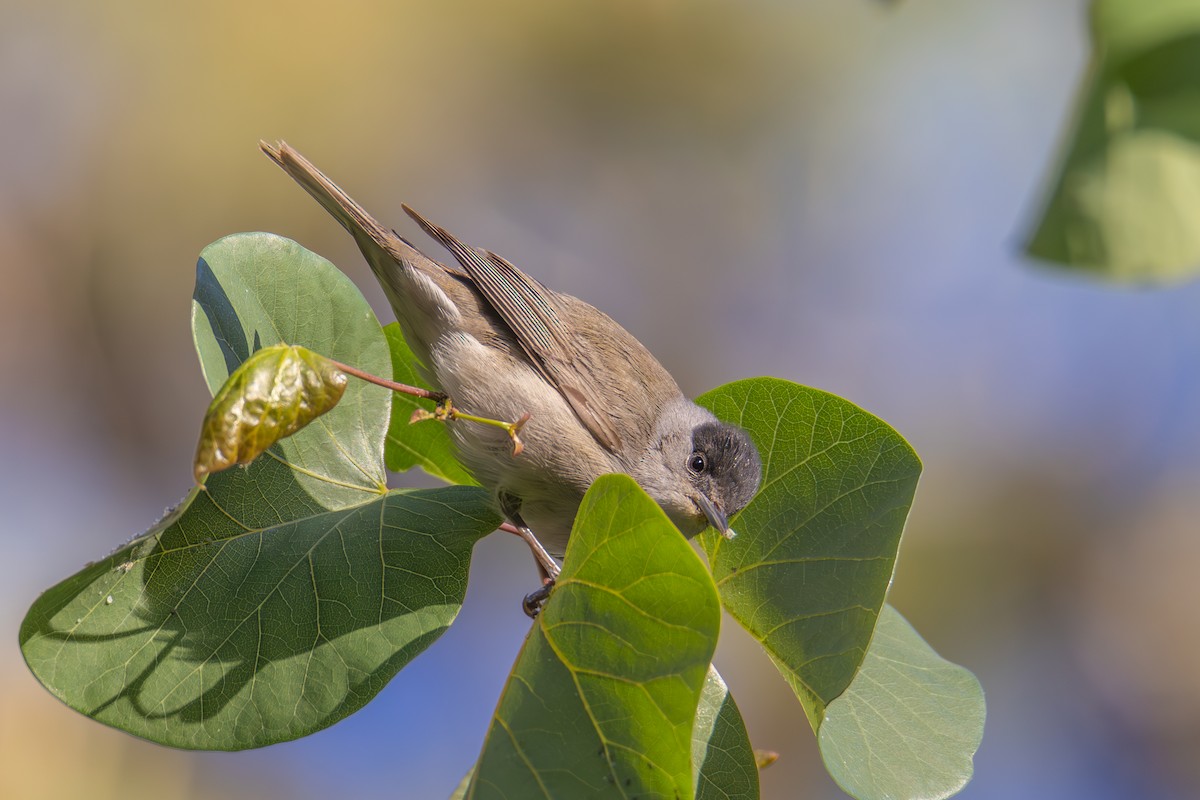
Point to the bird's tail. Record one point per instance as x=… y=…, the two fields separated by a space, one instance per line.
x=412 y=281
x=344 y=209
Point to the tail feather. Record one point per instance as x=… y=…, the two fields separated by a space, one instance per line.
x=344 y=209
x=419 y=289
x=378 y=243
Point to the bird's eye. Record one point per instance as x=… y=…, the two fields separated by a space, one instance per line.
x=697 y=463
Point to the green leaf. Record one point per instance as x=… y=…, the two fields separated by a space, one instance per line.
x=276 y=392
x=602 y=699
x=810 y=568
x=205 y=634
x=1127 y=194
x=287 y=594
x=909 y=724
x=722 y=759
x=423 y=444
x=257 y=289
x=807 y=576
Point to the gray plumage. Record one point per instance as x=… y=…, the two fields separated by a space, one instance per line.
x=501 y=344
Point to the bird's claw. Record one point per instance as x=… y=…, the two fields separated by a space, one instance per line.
x=533 y=602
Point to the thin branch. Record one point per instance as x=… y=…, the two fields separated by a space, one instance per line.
x=402 y=388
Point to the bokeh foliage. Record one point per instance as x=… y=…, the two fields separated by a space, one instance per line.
x=1127 y=195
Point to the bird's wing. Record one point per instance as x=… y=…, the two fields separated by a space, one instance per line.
x=550 y=343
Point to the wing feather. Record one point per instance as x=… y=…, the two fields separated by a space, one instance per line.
x=529 y=309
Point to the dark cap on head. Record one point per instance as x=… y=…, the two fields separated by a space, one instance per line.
x=726 y=468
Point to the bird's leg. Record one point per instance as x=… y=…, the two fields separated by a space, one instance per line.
x=547 y=566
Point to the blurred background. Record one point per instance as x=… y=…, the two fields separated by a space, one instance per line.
x=831 y=192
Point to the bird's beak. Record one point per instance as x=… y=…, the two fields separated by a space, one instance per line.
x=715 y=517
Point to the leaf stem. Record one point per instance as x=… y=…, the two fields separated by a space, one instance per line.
x=445 y=409
x=402 y=388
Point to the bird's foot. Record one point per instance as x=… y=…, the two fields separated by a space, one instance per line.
x=533 y=602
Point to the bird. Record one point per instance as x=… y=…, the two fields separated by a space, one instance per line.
x=504 y=346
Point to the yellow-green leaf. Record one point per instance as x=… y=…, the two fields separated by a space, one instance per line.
x=602 y=699
x=275 y=392
x=722 y=759
x=426 y=445
x=254 y=289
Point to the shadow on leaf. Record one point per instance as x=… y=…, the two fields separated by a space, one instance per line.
x=210 y=633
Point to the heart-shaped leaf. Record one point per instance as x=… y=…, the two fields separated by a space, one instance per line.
x=602 y=699
x=811 y=570
x=909 y=724
x=207 y=634
x=808 y=577
x=257 y=289
x=287 y=594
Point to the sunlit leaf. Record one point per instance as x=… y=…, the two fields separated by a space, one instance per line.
x=423 y=444
x=810 y=569
x=909 y=724
x=602 y=699
x=206 y=634
x=257 y=289
x=275 y=392
x=808 y=576
x=286 y=595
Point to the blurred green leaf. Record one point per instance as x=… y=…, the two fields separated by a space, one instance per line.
x=275 y=392
x=424 y=444
x=722 y=759
x=909 y=724
x=1127 y=28
x=602 y=699
x=286 y=595
x=1127 y=195
x=811 y=567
